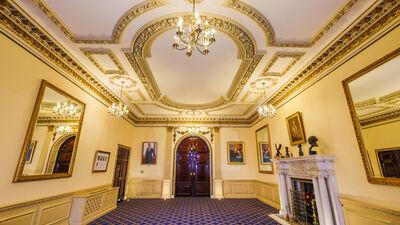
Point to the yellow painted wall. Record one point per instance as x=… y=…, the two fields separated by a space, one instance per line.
x=326 y=115
x=20 y=77
x=148 y=134
x=238 y=171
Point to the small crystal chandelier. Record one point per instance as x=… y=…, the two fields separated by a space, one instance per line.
x=195 y=35
x=66 y=109
x=119 y=109
x=268 y=110
x=61 y=130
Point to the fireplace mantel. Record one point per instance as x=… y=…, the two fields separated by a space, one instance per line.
x=320 y=169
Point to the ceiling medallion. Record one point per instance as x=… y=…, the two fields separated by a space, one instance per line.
x=195 y=34
x=119 y=109
x=267 y=110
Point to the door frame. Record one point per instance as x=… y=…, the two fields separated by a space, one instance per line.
x=129 y=161
x=210 y=152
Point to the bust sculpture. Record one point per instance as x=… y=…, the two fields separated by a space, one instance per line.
x=312 y=140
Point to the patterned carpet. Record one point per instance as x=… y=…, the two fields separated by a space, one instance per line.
x=189 y=211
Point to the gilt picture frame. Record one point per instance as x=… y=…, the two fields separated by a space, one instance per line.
x=295 y=127
x=236 y=153
x=101 y=160
x=30 y=152
x=149 y=153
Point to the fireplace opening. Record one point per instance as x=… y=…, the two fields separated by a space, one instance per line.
x=304 y=208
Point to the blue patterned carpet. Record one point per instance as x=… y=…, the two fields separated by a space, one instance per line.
x=189 y=211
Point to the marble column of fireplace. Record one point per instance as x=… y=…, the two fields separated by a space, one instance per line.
x=319 y=169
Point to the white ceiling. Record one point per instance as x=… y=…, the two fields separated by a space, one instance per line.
x=200 y=79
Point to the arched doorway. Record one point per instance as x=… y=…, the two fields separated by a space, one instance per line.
x=64 y=156
x=192 y=177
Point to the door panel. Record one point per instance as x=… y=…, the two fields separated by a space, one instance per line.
x=192 y=168
x=121 y=172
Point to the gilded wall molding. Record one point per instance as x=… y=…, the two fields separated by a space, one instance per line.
x=90 y=52
x=141 y=46
x=269 y=32
x=381 y=117
x=296 y=56
x=122 y=23
x=381 y=14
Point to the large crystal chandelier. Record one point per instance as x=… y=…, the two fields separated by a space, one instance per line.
x=267 y=110
x=66 y=109
x=196 y=34
x=61 y=130
x=119 y=109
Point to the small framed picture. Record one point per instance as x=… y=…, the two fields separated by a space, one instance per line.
x=236 y=152
x=100 y=163
x=265 y=153
x=149 y=153
x=30 y=152
x=295 y=128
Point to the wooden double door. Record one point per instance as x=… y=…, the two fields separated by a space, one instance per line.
x=192 y=168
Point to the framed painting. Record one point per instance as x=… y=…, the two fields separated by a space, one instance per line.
x=295 y=129
x=236 y=152
x=264 y=152
x=100 y=163
x=149 y=153
x=30 y=152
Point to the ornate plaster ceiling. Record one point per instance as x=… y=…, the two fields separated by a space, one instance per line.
x=257 y=41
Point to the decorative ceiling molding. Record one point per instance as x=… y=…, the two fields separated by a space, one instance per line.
x=122 y=23
x=255 y=15
x=380 y=14
x=171 y=103
x=141 y=47
x=381 y=117
x=90 y=52
x=191 y=1
x=23 y=29
x=269 y=33
x=14 y=20
x=293 y=55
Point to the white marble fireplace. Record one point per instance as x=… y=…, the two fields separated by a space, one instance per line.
x=320 y=170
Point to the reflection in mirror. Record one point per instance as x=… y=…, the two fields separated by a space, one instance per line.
x=52 y=137
x=375 y=98
x=264 y=151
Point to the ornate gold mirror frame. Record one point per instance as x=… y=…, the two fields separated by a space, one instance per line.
x=357 y=126
x=264 y=142
x=19 y=176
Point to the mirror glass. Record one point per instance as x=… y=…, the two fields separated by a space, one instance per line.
x=53 y=134
x=375 y=97
x=264 y=151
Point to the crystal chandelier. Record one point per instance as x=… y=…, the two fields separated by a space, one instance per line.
x=267 y=110
x=61 y=130
x=66 y=109
x=119 y=109
x=194 y=35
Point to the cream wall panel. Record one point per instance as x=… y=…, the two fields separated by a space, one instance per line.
x=233 y=172
x=148 y=134
x=20 y=79
x=362 y=212
x=55 y=213
x=144 y=188
x=268 y=193
x=326 y=115
x=18 y=217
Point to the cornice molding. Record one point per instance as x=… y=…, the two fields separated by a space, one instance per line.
x=381 y=14
x=122 y=23
x=268 y=30
x=171 y=103
x=382 y=117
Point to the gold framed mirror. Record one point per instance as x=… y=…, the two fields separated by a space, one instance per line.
x=264 y=150
x=52 y=138
x=373 y=97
